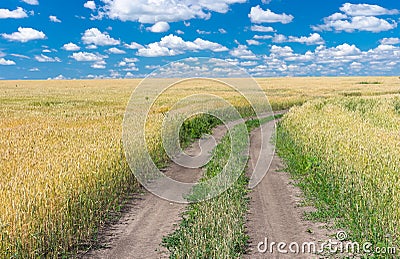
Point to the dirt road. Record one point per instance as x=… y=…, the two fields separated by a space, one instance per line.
x=139 y=232
x=275 y=213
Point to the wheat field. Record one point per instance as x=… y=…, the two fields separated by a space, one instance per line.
x=352 y=150
x=62 y=162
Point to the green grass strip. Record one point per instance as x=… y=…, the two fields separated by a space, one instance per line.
x=216 y=228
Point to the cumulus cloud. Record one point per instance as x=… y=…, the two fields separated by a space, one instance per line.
x=133 y=45
x=94 y=36
x=15 y=14
x=149 y=11
x=366 y=10
x=344 y=59
x=31 y=2
x=313 y=39
x=54 y=18
x=357 y=23
x=86 y=56
x=281 y=51
x=253 y=42
x=5 y=62
x=390 y=41
x=24 y=35
x=90 y=5
x=358 y=17
x=59 y=77
x=172 y=45
x=129 y=64
x=205 y=44
x=71 y=47
x=101 y=64
x=115 y=51
x=159 y=27
x=248 y=63
x=258 y=15
x=242 y=52
x=261 y=28
x=44 y=58
x=262 y=37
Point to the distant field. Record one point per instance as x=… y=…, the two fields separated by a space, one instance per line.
x=63 y=167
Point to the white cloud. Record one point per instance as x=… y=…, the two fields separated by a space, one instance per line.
x=335 y=17
x=202 y=32
x=24 y=35
x=59 y=77
x=222 y=31
x=129 y=63
x=44 y=58
x=46 y=51
x=313 y=39
x=159 y=27
x=243 y=52
x=285 y=51
x=116 y=51
x=71 y=47
x=258 y=15
x=205 y=44
x=172 y=45
x=253 y=42
x=248 y=63
x=129 y=75
x=279 y=38
x=261 y=28
x=344 y=59
x=340 y=50
x=86 y=56
x=31 y=2
x=390 y=41
x=133 y=45
x=92 y=46
x=150 y=11
x=15 y=14
x=34 y=69
x=90 y=5
x=357 y=23
x=365 y=10
x=54 y=18
x=99 y=64
x=20 y=56
x=356 y=66
x=5 y=62
x=358 y=17
x=262 y=37
x=94 y=36
x=179 y=32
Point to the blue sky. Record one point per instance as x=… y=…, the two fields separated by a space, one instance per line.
x=41 y=39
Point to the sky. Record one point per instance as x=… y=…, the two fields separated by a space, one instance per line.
x=47 y=39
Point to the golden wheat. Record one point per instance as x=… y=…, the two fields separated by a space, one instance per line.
x=62 y=162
